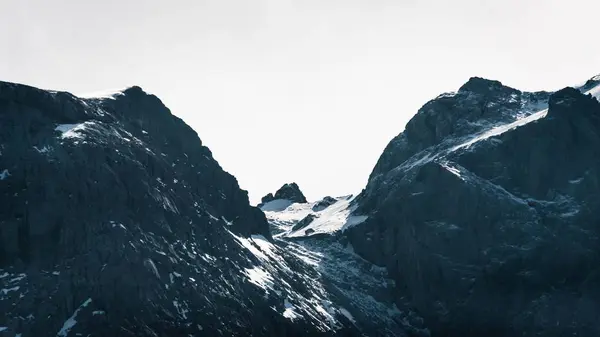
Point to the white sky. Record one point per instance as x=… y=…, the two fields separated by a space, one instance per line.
x=308 y=91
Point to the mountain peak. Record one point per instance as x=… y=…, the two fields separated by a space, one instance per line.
x=289 y=191
x=482 y=85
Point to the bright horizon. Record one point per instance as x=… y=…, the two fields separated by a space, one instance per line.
x=304 y=91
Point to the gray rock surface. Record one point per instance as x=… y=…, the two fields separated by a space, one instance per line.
x=115 y=220
x=304 y=222
x=492 y=234
x=323 y=203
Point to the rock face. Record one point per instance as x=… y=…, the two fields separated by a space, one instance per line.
x=289 y=192
x=304 y=222
x=116 y=221
x=485 y=211
x=323 y=203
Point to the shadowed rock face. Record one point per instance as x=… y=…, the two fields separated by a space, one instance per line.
x=287 y=192
x=116 y=221
x=498 y=237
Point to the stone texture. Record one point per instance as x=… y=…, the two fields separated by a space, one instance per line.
x=499 y=238
x=288 y=192
x=124 y=221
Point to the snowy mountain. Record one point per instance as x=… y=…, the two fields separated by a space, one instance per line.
x=480 y=219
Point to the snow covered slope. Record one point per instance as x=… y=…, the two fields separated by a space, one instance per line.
x=285 y=215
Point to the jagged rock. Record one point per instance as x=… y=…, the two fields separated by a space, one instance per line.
x=323 y=204
x=289 y=192
x=479 y=105
x=491 y=233
x=267 y=198
x=304 y=222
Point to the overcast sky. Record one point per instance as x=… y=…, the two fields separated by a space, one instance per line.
x=308 y=91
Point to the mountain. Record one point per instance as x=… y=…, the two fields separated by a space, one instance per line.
x=115 y=220
x=290 y=192
x=483 y=212
x=479 y=219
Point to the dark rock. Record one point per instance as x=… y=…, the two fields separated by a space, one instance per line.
x=304 y=222
x=309 y=231
x=323 y=204
x=267 y=198
x=498 y=235
x=288 y=192
x=113 y=213
x=479 y=105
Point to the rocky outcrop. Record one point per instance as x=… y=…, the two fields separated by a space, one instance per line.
x=478 y=105
x=323 y=203
x=486 y=214
x=267 y=198
x=304 y=222
x=289 y=192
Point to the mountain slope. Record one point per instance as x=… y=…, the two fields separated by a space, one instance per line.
x=116 y=221
x=484 y=211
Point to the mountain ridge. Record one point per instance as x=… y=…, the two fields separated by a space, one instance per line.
x=468 y=225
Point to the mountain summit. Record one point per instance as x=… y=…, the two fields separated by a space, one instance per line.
x=290 y=192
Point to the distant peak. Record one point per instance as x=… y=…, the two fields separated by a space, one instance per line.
x=483 y=85
x=289 y=191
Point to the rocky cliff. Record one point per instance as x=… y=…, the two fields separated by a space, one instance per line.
x=479 y=219
x=485 y=212
x=115 y=220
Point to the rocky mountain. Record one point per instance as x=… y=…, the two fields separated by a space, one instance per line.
x=289 y=192
x=479 y=219
x=115 y=220
x=485 y=212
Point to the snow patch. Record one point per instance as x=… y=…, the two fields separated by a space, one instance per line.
x=576 y=181
x=452 y=169
x=4 y=174
x=70 y=323
x=337 y=216
x=72 y=130
x=44 y=149
x=5 y=291
x=289 y=312
x=276 y=205
x=502 y=129
x=248 y=244
x=348 y=315
x=260 y=277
